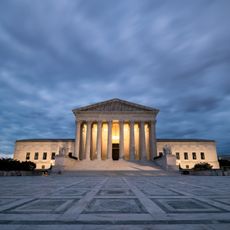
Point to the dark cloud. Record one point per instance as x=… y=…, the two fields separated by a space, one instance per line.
x=58 y=55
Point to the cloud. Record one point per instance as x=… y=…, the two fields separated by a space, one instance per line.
x=58 y=55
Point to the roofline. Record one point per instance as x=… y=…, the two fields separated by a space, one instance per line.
x=116 y=99
x=158 y=140
x=45 y=140
x=185 y=140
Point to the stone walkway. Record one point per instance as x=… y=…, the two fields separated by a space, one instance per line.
x=105 y=200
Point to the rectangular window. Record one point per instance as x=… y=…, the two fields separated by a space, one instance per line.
x=53 y=156
x=36 y=156
x=44 y=156
x=27 y=156
x=186 y=156
x=202 y=156
x=194 y=156
x=178 y=156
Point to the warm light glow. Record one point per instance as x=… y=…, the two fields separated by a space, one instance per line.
x=115 y=138
x=115 y=133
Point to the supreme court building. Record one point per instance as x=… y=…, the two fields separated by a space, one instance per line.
x=115 y=130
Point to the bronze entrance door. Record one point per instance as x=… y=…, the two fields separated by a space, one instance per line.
x=115 y=152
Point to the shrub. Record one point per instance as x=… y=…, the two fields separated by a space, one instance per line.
x=202 y=166
x=9 y=164
x=224 y=163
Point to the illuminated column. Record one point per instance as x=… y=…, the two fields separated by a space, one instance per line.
x=77 y=139
x=99 y=123
x=142 y=141
x=152 y=139
x=109 y=147
x=121 y=146
x=132 y=141
x=88 y=140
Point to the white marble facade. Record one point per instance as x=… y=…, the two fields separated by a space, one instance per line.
x=115 y=130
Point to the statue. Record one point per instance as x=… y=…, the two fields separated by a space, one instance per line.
x=62 y=151
x=167 y=150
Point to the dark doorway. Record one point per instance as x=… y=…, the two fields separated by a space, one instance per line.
x=115 y=152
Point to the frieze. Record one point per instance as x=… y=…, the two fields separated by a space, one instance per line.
x=116 y=105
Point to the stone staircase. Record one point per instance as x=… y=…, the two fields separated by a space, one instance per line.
x=71 y=165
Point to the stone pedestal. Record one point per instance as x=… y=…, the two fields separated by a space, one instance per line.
x=59 y=164
x=171 y=163
x=167 y=162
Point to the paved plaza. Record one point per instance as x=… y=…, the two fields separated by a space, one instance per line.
x=114 y=200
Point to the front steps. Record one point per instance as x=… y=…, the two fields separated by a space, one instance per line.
x=66 y=164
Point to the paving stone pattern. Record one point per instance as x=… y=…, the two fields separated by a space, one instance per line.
x=114 y=201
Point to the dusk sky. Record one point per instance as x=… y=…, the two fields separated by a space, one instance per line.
x=58 y=55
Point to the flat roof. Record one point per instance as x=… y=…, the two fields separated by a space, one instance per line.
x=185 y=140
x=158 y=140
x=45 y=140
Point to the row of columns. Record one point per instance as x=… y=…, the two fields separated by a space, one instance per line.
x=143 y=153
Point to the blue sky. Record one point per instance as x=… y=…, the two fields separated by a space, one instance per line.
x=57 y=55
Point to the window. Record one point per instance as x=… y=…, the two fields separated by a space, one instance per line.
x=27 y=156
x=186 y=156
x=202 y=156
x=178 y=156
x=43 y=166
x=194 y=156
x=44 y=156
x=187 y=166
x=36 y=156
x=53 y=156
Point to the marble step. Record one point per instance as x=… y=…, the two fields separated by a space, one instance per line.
x=68 y=164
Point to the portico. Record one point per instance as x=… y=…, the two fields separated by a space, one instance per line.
x=115 y=129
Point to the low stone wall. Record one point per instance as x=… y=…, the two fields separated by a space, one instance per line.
x=215 y=172
x=21 y=173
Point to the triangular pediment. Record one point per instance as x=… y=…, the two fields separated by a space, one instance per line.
x=115 y=105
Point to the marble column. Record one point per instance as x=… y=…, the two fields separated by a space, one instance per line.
x=109 y=143
x=77 y=139
x=121 y=145
x=88 y=140
x=99 y=125
x=152 y=140
x=132 y=141
x=142 y=141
